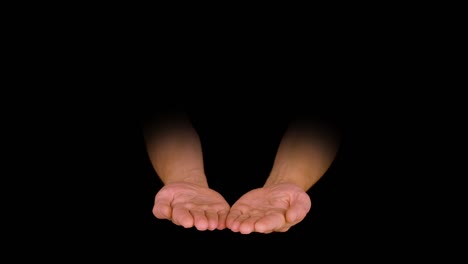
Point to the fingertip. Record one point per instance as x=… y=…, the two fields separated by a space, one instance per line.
x=221 y=224
x=201 y=224
x=162 y=211
x=201 y=227
x=187 y=223
x=246 y=229
x=222 y=219
x=229 y=220
x=291 y=216
x=261 y=227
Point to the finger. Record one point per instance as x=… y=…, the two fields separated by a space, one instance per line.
x=222 y=216
x=248 y=225
x=199 y=219
x=236 y=223
x=182 y=216
x=162 y=211
x=162 y=208
x=283 y=229
x=212 y=218
x=296 y=213
x=232 y=215
x=269 y=223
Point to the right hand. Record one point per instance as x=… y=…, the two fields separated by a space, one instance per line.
x=189 y=205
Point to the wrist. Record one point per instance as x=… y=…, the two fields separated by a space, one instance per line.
x=291 y=176
x=194 y=176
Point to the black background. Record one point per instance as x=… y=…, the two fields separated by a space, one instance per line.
x=96 y=192
x=115 y=184
x=99 y=186
x=84 y=185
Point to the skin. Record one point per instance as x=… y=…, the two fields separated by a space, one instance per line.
x=191 y=205
x=275 y=208
x=305 y=153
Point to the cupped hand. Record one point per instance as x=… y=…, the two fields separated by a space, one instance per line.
x=191 y=205
x=275 y=208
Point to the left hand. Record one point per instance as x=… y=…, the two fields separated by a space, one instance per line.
x=275 y=208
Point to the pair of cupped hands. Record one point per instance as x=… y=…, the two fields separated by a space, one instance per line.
x=272 y=208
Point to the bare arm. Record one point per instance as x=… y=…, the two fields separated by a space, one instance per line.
x=304 y=155
x=175 y=150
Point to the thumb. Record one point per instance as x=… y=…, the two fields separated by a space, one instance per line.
x=297 y=212
x=162 y=208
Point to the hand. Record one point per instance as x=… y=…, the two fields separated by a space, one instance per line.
x=275 y=208
x=189 y=205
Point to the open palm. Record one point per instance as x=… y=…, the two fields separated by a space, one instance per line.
x=190 y=205
x=275 y=208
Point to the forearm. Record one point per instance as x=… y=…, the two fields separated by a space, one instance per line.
x=175 y=151
x=304 y=155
